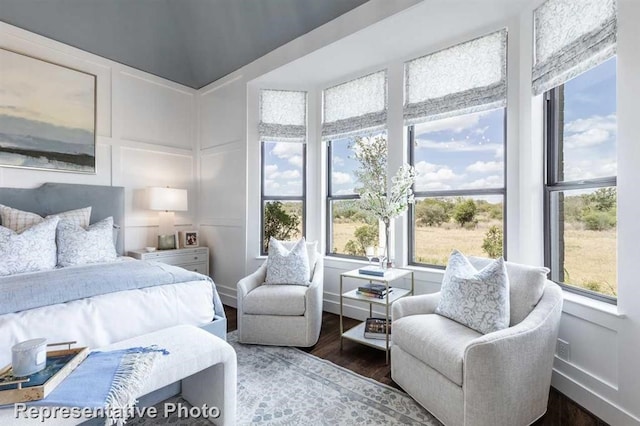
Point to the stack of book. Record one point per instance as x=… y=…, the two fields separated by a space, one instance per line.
x=375 y=328
x=376 y=271
x=379 y=291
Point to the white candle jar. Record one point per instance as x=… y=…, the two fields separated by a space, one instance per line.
x=29 y=357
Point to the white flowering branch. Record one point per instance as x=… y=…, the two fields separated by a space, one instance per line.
x=384 y=203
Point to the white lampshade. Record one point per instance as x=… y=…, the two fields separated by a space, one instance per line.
x=167 y=199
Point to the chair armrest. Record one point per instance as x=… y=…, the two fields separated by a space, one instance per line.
x=513 y=365
x=315 y=292
x=250 y=282
x=415 y=305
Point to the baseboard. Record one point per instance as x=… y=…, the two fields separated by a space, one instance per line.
x=597 y=404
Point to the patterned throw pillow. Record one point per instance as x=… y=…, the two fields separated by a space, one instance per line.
x=477 y=299
x=287 y=266
x=19 y=220
x=29 y=251
x=79 y=246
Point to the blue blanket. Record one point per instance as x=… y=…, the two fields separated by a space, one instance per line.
x=28 y=291
x=106 y=380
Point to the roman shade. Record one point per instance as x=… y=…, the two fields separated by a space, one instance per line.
x=355 y=106
x=571 y=36
x=466 y=78
x=283 y=115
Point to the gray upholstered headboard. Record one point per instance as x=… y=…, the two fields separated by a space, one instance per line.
x=53 y=198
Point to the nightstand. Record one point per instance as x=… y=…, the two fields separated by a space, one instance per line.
x=193 y=259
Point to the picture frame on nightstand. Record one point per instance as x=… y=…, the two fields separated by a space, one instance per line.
x=189 y=239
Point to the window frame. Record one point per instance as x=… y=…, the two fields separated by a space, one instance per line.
x=329 y=207
x=266 y=198
x=552 y=185
x=454 y=193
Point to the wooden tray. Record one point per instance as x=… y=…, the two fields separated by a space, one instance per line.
x=37 y=386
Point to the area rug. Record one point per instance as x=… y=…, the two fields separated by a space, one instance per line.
x=286 y=386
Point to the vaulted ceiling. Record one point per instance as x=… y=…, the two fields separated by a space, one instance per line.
x=192 y=42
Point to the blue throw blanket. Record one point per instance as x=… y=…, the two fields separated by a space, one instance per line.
x=109 y=381
x=33 y=290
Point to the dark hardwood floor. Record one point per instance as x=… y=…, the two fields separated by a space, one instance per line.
x=370 y=362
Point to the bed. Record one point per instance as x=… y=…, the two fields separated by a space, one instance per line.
x=103 y=303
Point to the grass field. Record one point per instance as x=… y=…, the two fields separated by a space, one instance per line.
x=590 y=256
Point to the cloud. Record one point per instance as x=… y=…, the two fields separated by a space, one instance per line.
x=493 y=181
x=341 y=178
x=289 y=174
x=587 y=138
x=589 y=132
x=270 y=169
x=431 y=176
x=271 y=186
x=338 y=161
x=349 y=191
x=609 y=122
x=459 y=146
x=485 y=167
x=590 y=169
x=296 y=160
x=481 y=130
x=271 y=172
x=454 y=124
x=286 y=150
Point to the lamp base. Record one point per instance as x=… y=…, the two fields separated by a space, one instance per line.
x=167 y=242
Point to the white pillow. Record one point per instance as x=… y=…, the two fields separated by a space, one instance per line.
x=287 y=266
x=79 y=246
x=312 y=253
x=477 y=299
x=526 y=285
x=32 y=250
x=19 y=220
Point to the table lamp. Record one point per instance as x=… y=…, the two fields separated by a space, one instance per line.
x=167 y=201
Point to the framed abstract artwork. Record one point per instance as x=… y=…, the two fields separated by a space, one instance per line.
x=47 y=115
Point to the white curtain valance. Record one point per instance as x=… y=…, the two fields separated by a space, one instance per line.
x=571 y=36
x=355 y=106
x=283 y=115
x=466 y=78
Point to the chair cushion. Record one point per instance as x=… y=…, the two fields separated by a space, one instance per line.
x=285 y=300
x=526 y=285
x=477 y=299
x=435 y=340
x=287 y=266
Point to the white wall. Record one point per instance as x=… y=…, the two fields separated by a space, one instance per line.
x=602 y=372
x=228 y=147
x=145 y=134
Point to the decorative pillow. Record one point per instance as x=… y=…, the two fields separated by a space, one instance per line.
x=19 y=220
x=79 y=246
x=477 y=299
x=526 y=285
x=80 y=217
x=29 y=251
x=287 y=266
x=312 y=253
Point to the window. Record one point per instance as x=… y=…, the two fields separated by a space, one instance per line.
x=454 y=108
x=283 y=165
x=580 y=190
x=283 y=191
x=459 y=187
x=350 y=230
x=351 y=110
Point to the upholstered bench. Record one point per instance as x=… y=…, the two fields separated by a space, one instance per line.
x=204 y=365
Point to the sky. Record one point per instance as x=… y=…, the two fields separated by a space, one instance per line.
x=37 y=90
x=467 y=152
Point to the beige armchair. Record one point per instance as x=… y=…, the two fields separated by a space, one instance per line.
x=280 y=315
x=465 y=378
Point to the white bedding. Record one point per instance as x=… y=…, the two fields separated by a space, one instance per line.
x=105 y=319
